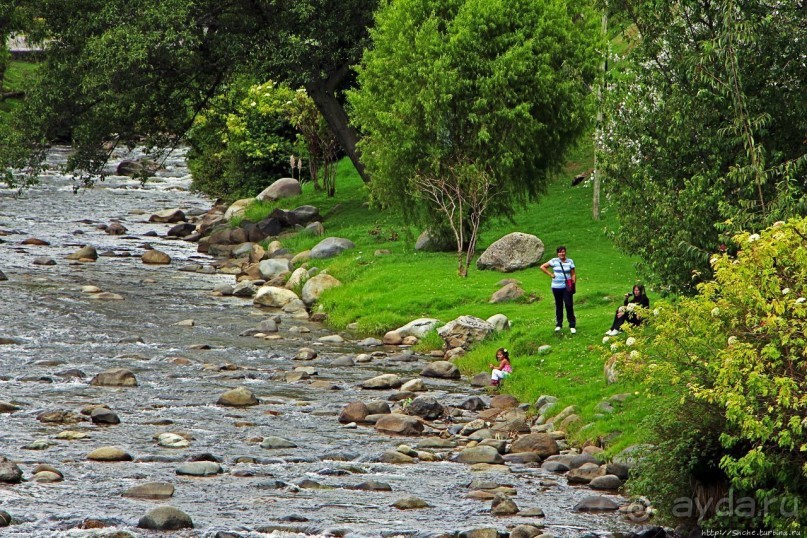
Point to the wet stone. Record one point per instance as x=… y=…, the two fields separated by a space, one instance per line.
x=151 y=490
x=199 y=468
x=165 y=518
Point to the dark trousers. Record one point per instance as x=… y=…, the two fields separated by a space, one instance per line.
x=627 y=316
x=563 y=296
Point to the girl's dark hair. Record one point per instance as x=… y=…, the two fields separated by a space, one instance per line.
x=559 y=249
x=641 y=289
x=504 y=352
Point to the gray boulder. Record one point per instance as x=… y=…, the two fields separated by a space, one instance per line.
x=441 y=370
x=426 y=407
x=165 y=518
x=282 y=188
x=399 y=425
x=116 y=377
x=512 y=252
x=465 y=331
x=330 y=247
x=316 y=285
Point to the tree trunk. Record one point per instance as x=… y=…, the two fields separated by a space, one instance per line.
x=334 y=114
x=595 y=202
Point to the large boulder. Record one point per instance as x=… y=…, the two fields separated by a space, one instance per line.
x=237 y=208
x=330 y=247
x=382 y=382
x=274 y=297
x=285 y=187
x=431 y=242
x=316 y=285
x=116 y=377
x=441 y=370
x=512 y=252
x=426 y=407
x=540 y=443
x=84 y=253
x=165 y=518
x=170 y=216
x=258 y=231
x=464 y=332
x=399 y=425
x=156 y=257
x=419 y=327
x=273 y=267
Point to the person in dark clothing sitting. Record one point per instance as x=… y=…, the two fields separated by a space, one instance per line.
x=627 y=312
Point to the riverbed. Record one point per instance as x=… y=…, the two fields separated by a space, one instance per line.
x=63 y=337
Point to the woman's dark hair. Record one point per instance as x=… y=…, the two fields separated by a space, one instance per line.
x=504 y=352
x=641 y=289
x=559 y=249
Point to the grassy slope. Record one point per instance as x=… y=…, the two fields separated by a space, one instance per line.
x=385 y=292
x=16 y=78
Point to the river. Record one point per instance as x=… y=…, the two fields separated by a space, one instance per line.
x=64 y=337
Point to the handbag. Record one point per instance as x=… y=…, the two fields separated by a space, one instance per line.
x=570 y=284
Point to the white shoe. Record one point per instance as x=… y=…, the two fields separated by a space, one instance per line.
x=557 y=329
x=613 y=332
x=573 y=330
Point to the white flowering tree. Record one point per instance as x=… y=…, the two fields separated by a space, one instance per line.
x=735 y=358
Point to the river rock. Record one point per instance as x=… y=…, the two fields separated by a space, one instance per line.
x=383 y=381
x=245 y=288
x=102 y=415
x=274 y=297
x=59 y=416
x=585 y=473
x=33 y=241
x=129 y=168
x=285 y=187
x=512 y=252
x=596 y=503
x=6 y=407
x=503 y=505
x=3 y=276
x=273 y=267
x=540 y=443
x=115 y=377
x=156 y=257
x=316 y=286
x=555 y=466
x=116 y=228
x=606 y=482
x=414 y=385
x=480 y=454
x=305 y=354
x=5 y=518
x=46 y=477
x=395 y=457
x=410 y=503
x=169 y=216
x=10 y=473
x=441 y=369
x=109 y=453
x=378 y=407
x=399 y=425
x=425 y=407
x=297 y=279
x=165 y=518
x=172 y=440
x=151 y=490
x=330 y=247
x=419 y=327
x=44 y=260
x=199 y=468
x=464 y=331
x=507 y=294
x=239 y=397
x=503 y=401
x=500 y=322
x=84 y=253
x=273 y=443
x=474 y=403
x=372 y=485
x=353 y=412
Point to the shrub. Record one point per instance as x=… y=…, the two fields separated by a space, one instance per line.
x=738 y=350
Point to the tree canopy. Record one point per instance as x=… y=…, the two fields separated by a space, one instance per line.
x=479 y=98
x=117 y=70
x=704 y=129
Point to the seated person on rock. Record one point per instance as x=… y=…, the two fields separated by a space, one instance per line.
x=629 y=310
x=501 y=370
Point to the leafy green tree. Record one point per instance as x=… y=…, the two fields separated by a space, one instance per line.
x=243 y=140
x=468 y=106
x=119 y=71
x=736 y=352
x=704 y=129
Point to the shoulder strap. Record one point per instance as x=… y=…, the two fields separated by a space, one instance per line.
x=562 y=269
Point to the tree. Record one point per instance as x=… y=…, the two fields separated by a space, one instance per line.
x=704 y=129
x=737 y=353
x=118 y=70
x=468 y=106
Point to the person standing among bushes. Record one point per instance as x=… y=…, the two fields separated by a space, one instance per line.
x=564 y=280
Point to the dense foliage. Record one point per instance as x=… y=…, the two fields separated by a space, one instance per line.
x=243 y=141
x=704 y=129
x=737 y=352
x=468 y=106
x=118 y=70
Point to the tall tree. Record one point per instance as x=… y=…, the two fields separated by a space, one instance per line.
x=120 y=70
x=704 y=132
x=468 y=106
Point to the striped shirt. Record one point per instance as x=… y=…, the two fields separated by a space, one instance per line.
x=559 y=280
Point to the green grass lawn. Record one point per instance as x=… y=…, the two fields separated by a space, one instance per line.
x=17 y=78
x=381 y=293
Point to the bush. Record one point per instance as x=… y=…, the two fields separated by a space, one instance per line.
x=243 y=141
x=738 y=350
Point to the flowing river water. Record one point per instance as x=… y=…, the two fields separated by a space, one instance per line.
x=64 y=337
